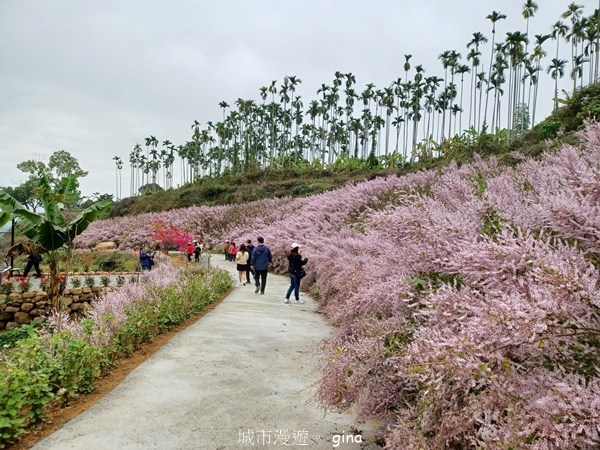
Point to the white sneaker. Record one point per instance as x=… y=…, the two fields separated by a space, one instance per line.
x=299 y=302
x=287 y=300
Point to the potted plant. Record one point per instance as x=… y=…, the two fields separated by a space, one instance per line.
x=89 y=280
x=44 y=283
x=7 y=286
x=105 y=279
x=76 y=281
x=23 y=284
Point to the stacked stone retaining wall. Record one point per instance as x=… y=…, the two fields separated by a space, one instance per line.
x=19 y=308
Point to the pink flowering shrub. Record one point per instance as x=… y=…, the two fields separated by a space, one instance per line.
x=465 y=299
x=167 y=237
x=108 y=313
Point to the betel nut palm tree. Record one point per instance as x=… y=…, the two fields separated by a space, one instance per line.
x=556 y=70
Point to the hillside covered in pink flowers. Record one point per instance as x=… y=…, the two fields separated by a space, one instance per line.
x=466 y=300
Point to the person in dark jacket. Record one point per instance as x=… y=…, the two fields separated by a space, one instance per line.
x=197 y=251
x=296 y=263
x=261 y=258
x=146 y=258
x=249 y=248
x=33 y=260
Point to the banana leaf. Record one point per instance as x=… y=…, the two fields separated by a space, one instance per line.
x=11 y=206
x=4 y=218
x=80 y=223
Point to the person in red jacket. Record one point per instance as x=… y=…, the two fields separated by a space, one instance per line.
x=190 y=251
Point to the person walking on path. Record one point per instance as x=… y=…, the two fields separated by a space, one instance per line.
x=241 y=258
x=261 y=258
x=249 y=249
x=226 y=250
x=232 y=251
x=33 y=260
x=295 y=267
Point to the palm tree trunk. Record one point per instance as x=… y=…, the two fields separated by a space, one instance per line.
x=489 y=74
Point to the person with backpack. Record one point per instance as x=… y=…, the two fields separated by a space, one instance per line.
x=296 y=272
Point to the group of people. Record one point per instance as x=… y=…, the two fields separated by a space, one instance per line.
x=256 y=260
x=194 y=249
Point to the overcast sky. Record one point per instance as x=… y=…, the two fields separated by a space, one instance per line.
x=96 y=77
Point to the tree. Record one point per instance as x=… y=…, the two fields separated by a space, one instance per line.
x=521 y=120
x=529 y=9
x=556 y=71
x=494 y=17
x=24 y=194
x=538 y=54
x=473 y=56
x=50 y=231
x=150 y=188
x=119 y=165
x=574 y=12
x=61 y=164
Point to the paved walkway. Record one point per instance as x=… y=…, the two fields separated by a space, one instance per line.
x=243 y=376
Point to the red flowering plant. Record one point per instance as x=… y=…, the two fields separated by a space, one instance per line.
x=105 y=279
x=89 y=280
x=23 y=284
x=7 y=286
x=43 y=283
x=169 y=236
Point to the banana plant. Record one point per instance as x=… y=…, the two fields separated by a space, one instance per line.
x=50 y=231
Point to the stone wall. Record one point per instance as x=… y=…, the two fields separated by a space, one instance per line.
x=18 y=308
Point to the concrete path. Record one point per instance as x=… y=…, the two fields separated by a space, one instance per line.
x=243 y=376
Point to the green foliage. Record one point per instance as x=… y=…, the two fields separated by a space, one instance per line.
x=122 y=262
x=11 y=337
x=549 y=129
x=146 y=319
x=76 y=364
x=480 y=184
x=50 y=229
x=491 y=223
x=37 y=370
x=427 y=282
x=395 y=341
x=60 y=165
x=582 y=105
x=521 y=120
x=249 y=186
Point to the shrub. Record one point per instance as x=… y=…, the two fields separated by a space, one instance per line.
x=549 y=129
x=43 y=365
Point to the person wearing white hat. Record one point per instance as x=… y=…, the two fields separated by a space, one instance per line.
x=296 y=272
